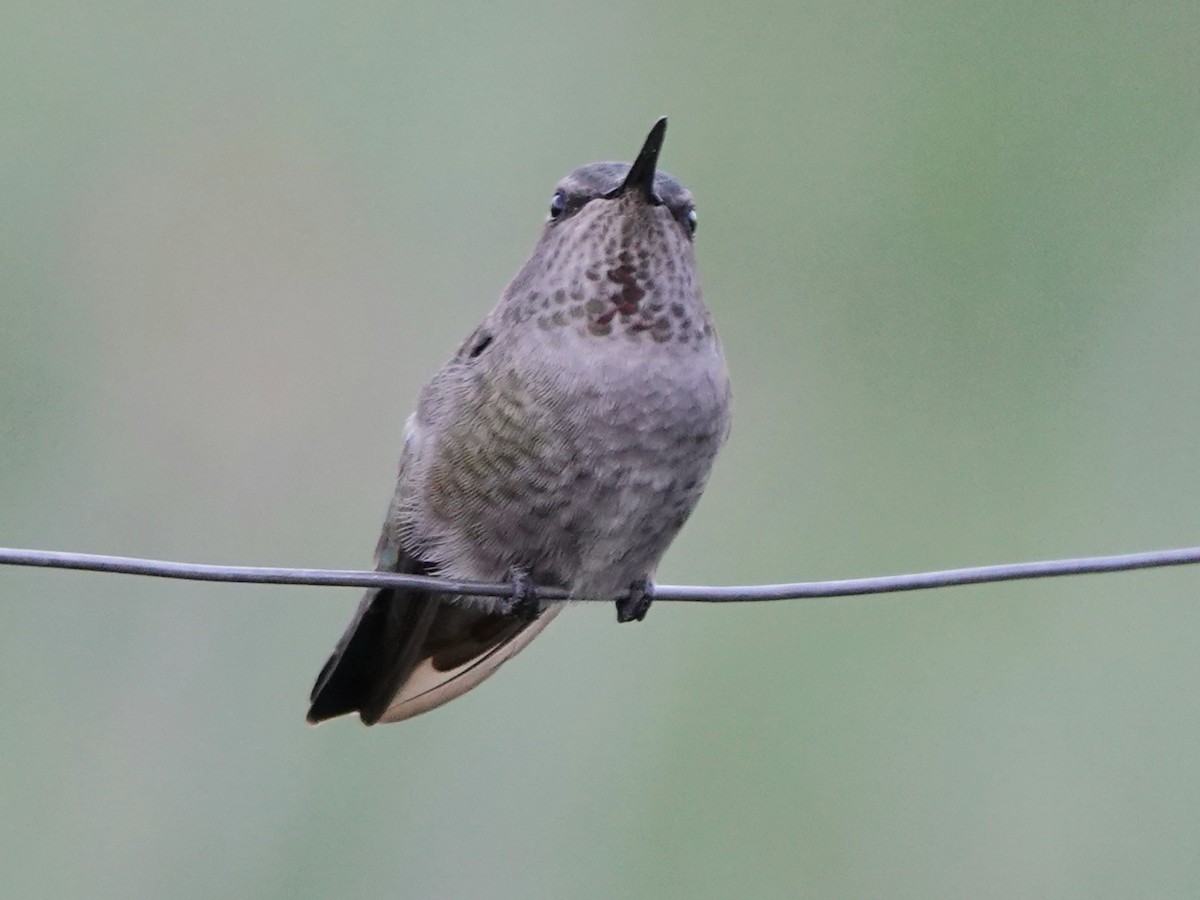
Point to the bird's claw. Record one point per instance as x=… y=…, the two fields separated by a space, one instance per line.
x=523 y=602
x=634 y=606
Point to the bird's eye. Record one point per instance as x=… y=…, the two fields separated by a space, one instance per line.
x=558 y=204
x=691 y=220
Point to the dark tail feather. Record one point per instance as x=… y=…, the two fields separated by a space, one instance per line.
x=406 y=652
x=374 y=657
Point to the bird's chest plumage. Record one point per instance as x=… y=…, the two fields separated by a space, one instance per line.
x=574 y=432
x=575 y=455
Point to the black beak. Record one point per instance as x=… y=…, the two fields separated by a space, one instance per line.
x=641 y=173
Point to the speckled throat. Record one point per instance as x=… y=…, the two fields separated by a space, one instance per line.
x=617 y=271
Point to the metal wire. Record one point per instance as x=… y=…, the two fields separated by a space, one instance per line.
x=54 y=559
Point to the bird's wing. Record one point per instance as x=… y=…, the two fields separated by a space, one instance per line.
x=407 y=651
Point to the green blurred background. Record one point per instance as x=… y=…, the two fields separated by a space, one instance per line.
x=954 y=252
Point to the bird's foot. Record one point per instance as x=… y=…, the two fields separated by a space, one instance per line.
x=634 y=606
x=523 y=603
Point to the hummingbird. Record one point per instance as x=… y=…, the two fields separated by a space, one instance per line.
x=565 y=444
